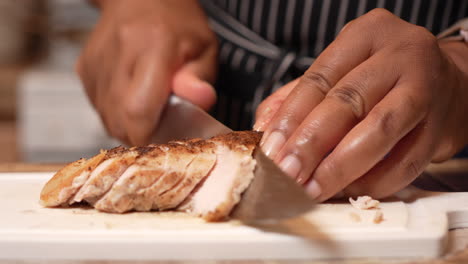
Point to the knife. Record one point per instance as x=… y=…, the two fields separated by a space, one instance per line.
x=181 y=119
x=271 y=195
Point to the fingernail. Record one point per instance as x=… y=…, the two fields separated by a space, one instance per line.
x=291 y=165
x=200 y=84
x=313 y=189
x=260 y=124
x=273 y=144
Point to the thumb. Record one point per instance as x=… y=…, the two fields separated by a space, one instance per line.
x=191 y=82
x=188 y=85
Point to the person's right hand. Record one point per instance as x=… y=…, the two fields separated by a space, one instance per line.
x=140 y=52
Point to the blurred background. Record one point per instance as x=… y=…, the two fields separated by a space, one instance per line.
x=44 y=114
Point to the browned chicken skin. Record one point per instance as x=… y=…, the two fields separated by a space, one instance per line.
x=202 y=177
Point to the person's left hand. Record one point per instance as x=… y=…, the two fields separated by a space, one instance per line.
x=375 y=108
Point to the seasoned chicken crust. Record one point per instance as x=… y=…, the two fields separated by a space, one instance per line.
x=202 y=177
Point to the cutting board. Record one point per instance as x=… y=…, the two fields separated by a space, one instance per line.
x=415 y=224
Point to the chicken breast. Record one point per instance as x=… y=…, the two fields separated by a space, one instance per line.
x=234 y=170
x=197 y=170
x=120 y=198
x=202 y=177
x=153 y=174
x=117 y=160
x=66 y=182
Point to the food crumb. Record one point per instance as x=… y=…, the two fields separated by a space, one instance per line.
x=355 y=217
x=378 y=217
x=364 y=203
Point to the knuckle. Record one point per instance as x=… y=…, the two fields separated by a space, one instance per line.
x=347 y=26
x=413 y=168
x=380 y=13
x=378 y=16
x=423 y=36
x=351 y=96
x=307 y=136
x=333 y=176
x=317 y=80
x=135 y=110
x=418 y=39
x=386 y=122
x=417 y=103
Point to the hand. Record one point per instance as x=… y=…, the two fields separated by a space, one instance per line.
x=140 y=52
x=375 y=108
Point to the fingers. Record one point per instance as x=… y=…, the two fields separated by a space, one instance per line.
x=190 y=87
x=192 y=81
x=343 y=55
x=111 y=92
x=268 y=108
x=369 y=141
x=406 y=162
x=147 y=93
x=356 y=43
x=343 y=107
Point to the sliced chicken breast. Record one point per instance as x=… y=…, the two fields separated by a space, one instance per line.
x=163 y=167
x=103 y=177
x=234 y=170
x=197 y=170
x=120 y=198
x=203 y=177
x=66 y=182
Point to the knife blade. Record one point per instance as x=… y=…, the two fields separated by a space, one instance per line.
x=182 y=119
x=271 y=195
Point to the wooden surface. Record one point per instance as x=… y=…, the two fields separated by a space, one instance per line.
x=457 y=251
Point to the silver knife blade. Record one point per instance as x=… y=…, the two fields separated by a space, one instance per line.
x=271 y=195
x=181 y=119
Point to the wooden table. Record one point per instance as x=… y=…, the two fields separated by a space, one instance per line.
x=441 y=175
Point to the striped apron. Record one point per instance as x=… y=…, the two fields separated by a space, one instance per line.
x=266 y=43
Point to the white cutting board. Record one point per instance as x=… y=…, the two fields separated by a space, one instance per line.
x=27 y=231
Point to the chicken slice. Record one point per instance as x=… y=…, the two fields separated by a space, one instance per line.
x=66 y=182
x=203 y=177
x=120 y=197
x=196 y=171
x=234 y=170
x=147 y=197
x=165 y=166
x=103 y=177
